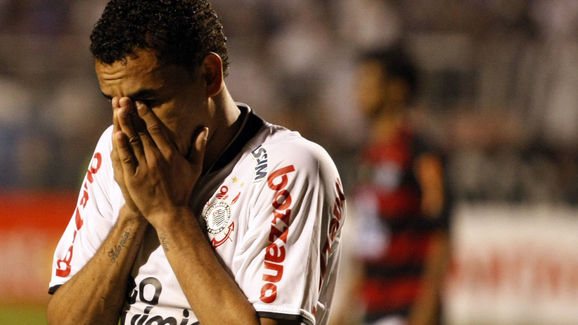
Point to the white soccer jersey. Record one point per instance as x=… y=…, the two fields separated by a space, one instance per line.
x=272 y=206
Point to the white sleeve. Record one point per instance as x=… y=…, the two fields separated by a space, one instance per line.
x=287 y=262
x=92 y=218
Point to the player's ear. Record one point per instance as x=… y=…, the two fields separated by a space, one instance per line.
x=212 y=74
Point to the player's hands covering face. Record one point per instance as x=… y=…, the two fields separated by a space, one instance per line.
x=155 y=178
x=116 y=165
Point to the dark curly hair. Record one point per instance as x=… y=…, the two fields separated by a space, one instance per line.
x=180 y=32
x=397 y=63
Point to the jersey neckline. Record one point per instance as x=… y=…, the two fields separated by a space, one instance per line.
x=249 y=128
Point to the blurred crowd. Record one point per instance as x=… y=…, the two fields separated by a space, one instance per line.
x=498 y=85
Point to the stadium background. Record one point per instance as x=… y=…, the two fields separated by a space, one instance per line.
x=499 y=93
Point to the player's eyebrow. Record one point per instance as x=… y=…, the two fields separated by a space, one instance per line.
x=141 y=94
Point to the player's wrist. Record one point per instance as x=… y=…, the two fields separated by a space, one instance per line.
x=171 y=218
x=131 y=215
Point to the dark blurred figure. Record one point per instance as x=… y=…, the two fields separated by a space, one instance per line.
x=401 y=204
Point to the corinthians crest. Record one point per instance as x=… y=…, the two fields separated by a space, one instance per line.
x=217 y=215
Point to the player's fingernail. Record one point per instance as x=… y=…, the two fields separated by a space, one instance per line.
x=124 y=101
x=140 y=107
x=205 y=135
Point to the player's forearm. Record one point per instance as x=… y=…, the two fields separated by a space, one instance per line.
x=95 y=295
x=426 y=307
x=210 y=289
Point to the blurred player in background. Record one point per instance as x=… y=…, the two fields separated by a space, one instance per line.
x=194 y=209
x=401 y=202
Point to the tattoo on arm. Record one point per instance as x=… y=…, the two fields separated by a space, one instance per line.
x=114 y=252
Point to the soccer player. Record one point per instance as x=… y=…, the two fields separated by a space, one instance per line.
x=193 y=209
x=401 y=199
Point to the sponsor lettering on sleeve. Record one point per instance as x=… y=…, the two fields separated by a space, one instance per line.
x=334 y=227
x=63 y=268
x=275 y=252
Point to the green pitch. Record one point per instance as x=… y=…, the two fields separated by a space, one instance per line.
x=24 y=315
